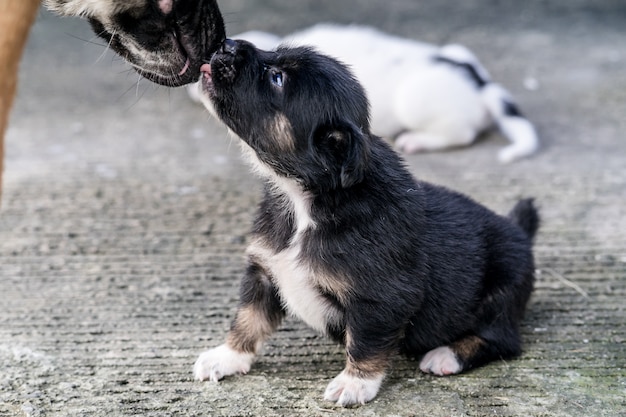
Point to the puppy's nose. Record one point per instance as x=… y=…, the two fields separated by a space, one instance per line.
x=229 y=47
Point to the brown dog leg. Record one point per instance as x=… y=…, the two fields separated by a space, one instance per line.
x=16 y=18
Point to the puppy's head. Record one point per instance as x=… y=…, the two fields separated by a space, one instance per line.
x=166 y=41
x=302 y=113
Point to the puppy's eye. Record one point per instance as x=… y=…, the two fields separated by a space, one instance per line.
x=277 y=78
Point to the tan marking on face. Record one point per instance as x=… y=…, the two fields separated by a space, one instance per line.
x=279 y=128
x=467 y=347
x=249 y=330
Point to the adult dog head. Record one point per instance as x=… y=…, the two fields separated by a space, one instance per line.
x=301 y=113
x=166 y=41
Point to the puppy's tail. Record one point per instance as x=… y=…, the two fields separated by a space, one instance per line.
x=499 y=103
x=526 y=216
x=511 y=122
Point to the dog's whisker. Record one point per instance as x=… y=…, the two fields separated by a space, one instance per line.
x=137 y=88
x=126 y=71
x=126 y=91
x=106 y=49
x=133 y=86
x=90 y=41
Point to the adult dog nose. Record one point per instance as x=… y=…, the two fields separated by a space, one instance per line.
x=229 y=47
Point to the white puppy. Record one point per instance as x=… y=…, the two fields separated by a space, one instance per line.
x=425 y=97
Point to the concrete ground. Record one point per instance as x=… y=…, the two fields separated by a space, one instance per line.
x=126 y=208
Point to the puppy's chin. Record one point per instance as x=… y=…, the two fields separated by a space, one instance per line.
x=204 y=89
x=208 y=104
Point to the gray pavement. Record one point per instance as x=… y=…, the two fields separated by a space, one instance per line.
x=126 y=208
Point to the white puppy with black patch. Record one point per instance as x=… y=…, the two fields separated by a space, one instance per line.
x=422 y=96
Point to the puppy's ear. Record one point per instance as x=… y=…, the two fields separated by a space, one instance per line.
x=344 y=152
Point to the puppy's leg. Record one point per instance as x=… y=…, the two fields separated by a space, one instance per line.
x=498 y=339
x=354 y=385
x=454 y=358
x=259 y=314
x=368 y=358
x=507 y=287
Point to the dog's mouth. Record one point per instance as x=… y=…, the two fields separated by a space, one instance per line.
x=175 y=72
x=193 y=60
x=166 y=46
x=183 y=65
x=184 y=52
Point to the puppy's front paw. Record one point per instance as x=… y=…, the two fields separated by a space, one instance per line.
x=348 y=390
x=441 y=361
x=216 y=363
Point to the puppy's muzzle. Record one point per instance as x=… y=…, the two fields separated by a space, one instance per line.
x=229 y=46
x=226 y=53
x=223 y=62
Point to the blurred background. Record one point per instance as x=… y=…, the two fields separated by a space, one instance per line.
x=126 y=209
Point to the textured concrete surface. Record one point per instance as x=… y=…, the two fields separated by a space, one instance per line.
x=126 y=209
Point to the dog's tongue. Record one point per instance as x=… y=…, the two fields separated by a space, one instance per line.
x=205 y=69
x=185 y=68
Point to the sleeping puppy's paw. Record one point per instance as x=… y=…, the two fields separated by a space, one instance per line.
x=348 y=390
x=441 y=361
x=216 y=363
x=412 y=142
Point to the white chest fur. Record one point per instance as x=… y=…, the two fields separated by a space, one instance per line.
x=296 y=283
x=294 y=277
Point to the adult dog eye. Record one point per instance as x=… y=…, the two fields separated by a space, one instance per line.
x=277 y=78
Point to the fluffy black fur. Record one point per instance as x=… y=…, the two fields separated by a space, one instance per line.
x=405 y=265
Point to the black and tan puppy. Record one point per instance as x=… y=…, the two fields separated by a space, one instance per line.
x=349 y=242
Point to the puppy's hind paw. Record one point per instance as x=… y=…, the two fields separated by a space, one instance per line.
x=441 y=361
x=412 y=142
x=347 y=390
x=216 y=363
x=408 y=144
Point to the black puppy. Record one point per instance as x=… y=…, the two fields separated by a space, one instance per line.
x=349 y=242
